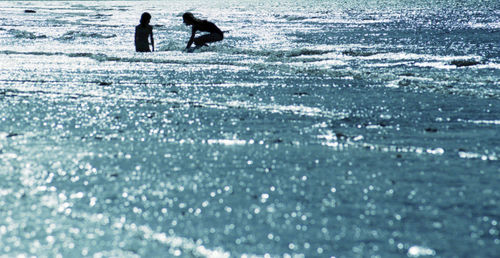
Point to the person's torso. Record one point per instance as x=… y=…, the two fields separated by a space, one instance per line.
x=143 y=32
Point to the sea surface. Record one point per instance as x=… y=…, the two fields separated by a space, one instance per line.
x=316 y=128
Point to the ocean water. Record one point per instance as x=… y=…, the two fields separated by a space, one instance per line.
x=333 y=128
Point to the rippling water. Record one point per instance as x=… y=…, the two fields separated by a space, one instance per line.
x=316 y=129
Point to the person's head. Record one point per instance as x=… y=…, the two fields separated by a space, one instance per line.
x=188 y=18
x=145 y=18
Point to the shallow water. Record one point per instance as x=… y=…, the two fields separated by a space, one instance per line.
x=316 y=129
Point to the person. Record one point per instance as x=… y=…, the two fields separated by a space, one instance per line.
x=142 y=32
x=214 y=33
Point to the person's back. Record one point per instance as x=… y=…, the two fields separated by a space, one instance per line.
x=207 y=26
x=144 y=31
x=141 y=37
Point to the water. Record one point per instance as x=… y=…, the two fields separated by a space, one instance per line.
x=316 y=129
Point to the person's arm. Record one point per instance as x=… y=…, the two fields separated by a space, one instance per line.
x=191 y=40
x=152 y=42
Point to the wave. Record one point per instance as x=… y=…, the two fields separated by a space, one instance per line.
x=270 y=53
x=462 y=63
x=22 y=34
x=340 y=141
x=291 y=17
x=171 y=46
x=290 y=109
x=321 y=63
x=95 y=56
x=363 y=53
x=356 y=53
x=138 y=58
x=71 y=35
x=491 y=25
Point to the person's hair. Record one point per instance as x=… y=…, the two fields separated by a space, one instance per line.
x=189 y=17
x=145 y=18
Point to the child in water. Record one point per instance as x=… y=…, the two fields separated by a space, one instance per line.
x=214 y=33
x=142 y=32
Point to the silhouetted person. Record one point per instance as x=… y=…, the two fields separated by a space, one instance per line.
x=214 y=33
x=142 y=32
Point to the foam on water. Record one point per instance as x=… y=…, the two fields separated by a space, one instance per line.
x=70 y=35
